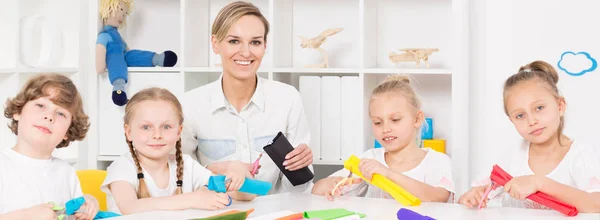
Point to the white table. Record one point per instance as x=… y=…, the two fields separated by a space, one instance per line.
x=379 y=209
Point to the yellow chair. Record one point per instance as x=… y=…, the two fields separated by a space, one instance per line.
x=91 y=180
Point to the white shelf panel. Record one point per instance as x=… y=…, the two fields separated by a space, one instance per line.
x=316 y=70
x=8 y=70
x=154 y=69
x=107 y=157
x=47 y=70
x=328 y=162
x=63 y=16
x=407 y=71
x=216 y=69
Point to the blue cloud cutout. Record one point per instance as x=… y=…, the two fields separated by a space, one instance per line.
x=592 y=68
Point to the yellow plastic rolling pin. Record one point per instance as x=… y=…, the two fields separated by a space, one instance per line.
x=400 y=194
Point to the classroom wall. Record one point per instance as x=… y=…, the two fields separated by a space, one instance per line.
x=508 y=34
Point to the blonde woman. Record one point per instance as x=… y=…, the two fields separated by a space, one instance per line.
x=233 y=118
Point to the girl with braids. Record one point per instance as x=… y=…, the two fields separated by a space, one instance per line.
x=396 y=116
x=149 y=177
x=548 y=160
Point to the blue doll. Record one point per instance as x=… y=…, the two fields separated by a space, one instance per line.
x=112 y=51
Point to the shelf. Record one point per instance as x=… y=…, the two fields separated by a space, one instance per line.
x=328 y=162
x=8 y=70
x=216 y=69
x=107 y=158
x=419 y=71
x=47 y=70
x=315 y=70
x=154 y=69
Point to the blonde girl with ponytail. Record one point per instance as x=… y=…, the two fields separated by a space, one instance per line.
x=396 y=116
x=149 y=177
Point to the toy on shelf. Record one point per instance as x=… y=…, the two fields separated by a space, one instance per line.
x=427 y=129
x=316 y=42
x=412 y=55
x=438 y=145
x=113 y=53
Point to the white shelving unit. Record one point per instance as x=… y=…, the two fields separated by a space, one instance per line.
x=372 y=29
x=14 y=70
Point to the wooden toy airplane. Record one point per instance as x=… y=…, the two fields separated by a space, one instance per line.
x=316 y=42
x=412 y=55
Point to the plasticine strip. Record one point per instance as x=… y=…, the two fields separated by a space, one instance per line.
x=74 y=205
x=501 y=177
x=297 y=216
x=400 y=194
x=252 y=186
x=229 y=215
x=410 y=214
x=328 y=214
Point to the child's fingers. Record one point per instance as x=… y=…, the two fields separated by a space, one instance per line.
x=82 y=215
x=48 y=205
x=356 y=181
x=89 y=211
x=94 y=212
x=329 y=197
x=478 y=196
x=223 y=199
x=338 y=191
x=466 y=203
x=231 y=184
x=78 y=215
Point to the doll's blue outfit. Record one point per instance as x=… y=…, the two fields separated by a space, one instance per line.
x=118 y=58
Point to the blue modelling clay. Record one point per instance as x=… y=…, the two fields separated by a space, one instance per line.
x=252 y=186
x=74 y=204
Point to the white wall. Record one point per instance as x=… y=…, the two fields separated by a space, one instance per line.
x=508 y=34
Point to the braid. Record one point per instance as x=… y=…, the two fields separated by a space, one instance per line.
x=179 y=158
x=142 y=191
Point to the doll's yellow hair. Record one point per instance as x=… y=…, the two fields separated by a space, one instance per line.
x=109 y=8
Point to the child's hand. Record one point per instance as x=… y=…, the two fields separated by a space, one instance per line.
x=325 y=186
x=472 y=197
x=236 y=174
x=89 y=209
x=522 y=186
x=42 y=211
x=368 y=167
x=208 y=200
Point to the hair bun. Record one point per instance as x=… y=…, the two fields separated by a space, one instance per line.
x=543 y=68
x=398 y=78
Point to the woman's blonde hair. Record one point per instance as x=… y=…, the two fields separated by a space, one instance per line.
x=542 y=72
x=232 y=13
x=154 y=94
x=67 y=96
